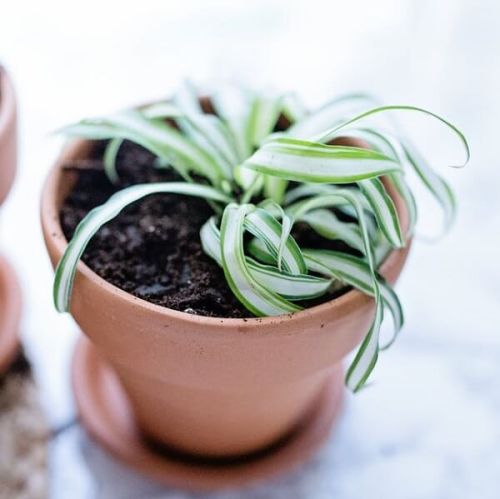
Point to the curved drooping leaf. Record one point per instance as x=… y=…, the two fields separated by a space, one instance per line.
x=162 y=140
x=264 y=226
x=109 y=159
x=384 y=209
x=354 y=271
x=332 y=113
x=330 y=134
x=96 y=218
x=260 y=300
x=293 y=108
x=264 y=113
x=233 y=106
x=383 y=141
x=294 y=287
x=327 y=225
x=304 y=161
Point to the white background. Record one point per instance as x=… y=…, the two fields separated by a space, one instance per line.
x=429 y=427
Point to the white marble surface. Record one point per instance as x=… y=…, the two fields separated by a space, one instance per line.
x=429 y=427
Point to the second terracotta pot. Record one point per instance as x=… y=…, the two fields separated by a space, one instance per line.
x=10 y=295
x=8 y=134
x=208 y=386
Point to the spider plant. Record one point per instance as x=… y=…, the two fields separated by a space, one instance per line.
x=262 y=182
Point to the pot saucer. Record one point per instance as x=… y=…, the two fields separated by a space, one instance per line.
x=10 y=307
x=106 y=414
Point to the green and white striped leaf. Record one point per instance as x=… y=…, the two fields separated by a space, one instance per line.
x=264 y=226
x=156 y=136
x=275 y=209
x=388 y=145
x=304 y=161
x=362 y=277
x=341 y=196
x=399 y=182
x=275 y=188
x=96 y=218
x=355 y=272
x=341 y=203
x=384 y=209
x=289 y=286
x=262 y=116
x=187 y=100
x=332 y=113
x=367 y=355
x=253 y=295
x=330 y=134
x=161 y=111
x=203 y=131
x=264 y=113
x=109 y=159
x=207 y=131
x=210 y=240
x=293 y=108
x=259 y=251
x=438 y=187
x=327 y=225
x=294 y=287
x=233 y=106
x=309 y=190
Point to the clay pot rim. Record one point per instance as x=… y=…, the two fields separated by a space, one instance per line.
x=7 y=101
x=10 y=294
x=351 y=300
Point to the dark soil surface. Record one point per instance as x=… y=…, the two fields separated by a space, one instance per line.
x=152 y=249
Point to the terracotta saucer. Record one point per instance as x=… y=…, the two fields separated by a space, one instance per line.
x=106 y=415
x=10 y=313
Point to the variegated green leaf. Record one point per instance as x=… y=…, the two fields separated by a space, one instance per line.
x=96 y=218
x=256 y=298
x=326 y=224
x=233 y=105
x=293 y=108
x=355 y=272
x=304 y=161
x=161 y=139
x=264 y=113
x=384 y=209
x=435 y=183
x=293 y=287
x=332 y=113
x=109 y=159
x=264 y=226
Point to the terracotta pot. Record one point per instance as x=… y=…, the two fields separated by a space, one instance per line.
x=8 y=134
x=208 y=386
x=10 y=296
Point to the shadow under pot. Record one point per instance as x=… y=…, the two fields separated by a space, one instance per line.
x=208 y=387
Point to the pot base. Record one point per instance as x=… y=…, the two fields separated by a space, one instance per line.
x=106 y=414
x=10 y=313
